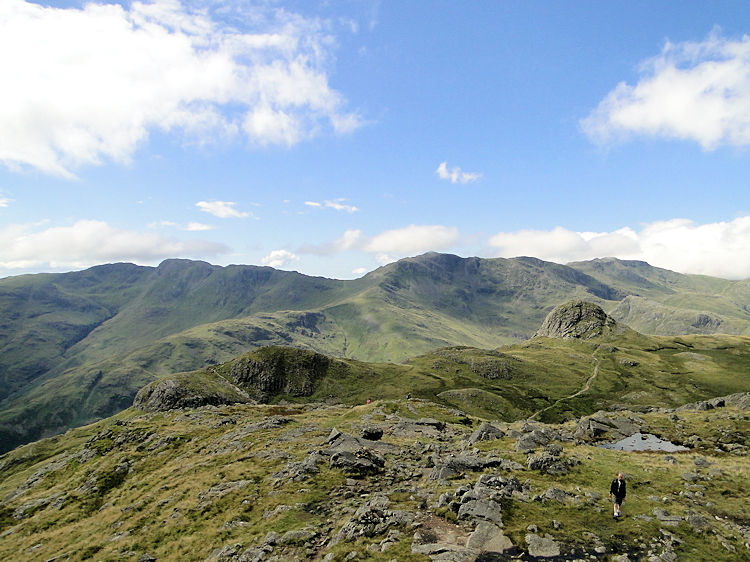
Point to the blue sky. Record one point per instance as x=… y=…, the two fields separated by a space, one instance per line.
x=331 y=138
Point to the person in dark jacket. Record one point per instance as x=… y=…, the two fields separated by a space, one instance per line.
x=618 y=490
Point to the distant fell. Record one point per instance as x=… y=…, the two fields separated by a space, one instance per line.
x=77 y=346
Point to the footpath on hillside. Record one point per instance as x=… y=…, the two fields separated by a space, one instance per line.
x=577 y=393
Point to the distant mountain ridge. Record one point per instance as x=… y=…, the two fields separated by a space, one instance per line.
x=76 y=346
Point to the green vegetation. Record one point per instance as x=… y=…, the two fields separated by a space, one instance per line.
x=76 y=347
x=182 y=484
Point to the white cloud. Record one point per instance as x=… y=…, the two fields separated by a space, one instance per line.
x=455 y=175
x=351 y=239
x=157 y=66
x=91 y=242
x=279 y=258
x=4 y=201
x=313 y=204
x=697 y=91
x=720 y=249
x=221 y=209
x=359 y=271
x=412 y=239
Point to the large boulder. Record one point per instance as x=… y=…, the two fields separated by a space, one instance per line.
x=577 y=320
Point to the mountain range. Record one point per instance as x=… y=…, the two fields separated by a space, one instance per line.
x=75 y=347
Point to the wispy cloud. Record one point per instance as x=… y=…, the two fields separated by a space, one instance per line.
x=91 y=242
x=4 y=201
x=198 y=227
x=456 y=175
x=222 y=209
x=338 y=205
x=279 y=259
x=692 y=90
x=157 y=66
x=335 y=204
x=719 y=249
x=190 y=227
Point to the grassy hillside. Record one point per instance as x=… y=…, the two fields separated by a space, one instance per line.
x=76 y=347
x=263 y=481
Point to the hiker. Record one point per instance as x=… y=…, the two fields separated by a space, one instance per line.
x=617 y=489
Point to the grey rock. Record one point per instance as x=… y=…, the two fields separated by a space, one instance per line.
x=486 y=510
x=701 y=462
x=691 y=476
x=373 y=518
x=485 y=432
x=542 y=547
x=603 y=425
x=488 y=537
x=207 y=497
x=358 y=463
x=297 y=536
x=697 y=522
x=665 y=518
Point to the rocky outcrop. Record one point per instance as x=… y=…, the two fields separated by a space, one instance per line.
x=188 y=390
x=577 y=320
x=276 y=370
x=608 y=425
x=740 y=400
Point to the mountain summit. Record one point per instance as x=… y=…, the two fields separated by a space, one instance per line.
x=577 y=319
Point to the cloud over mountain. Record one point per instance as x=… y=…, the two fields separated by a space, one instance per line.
x=719 y=249
x=92 y=242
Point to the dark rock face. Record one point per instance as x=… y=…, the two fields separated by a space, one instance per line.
x=372 y=433
x=276 y=370
x=576 y=319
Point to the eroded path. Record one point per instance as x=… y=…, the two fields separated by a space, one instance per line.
x=577 y=393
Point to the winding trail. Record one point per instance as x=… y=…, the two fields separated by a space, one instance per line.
x=578 y=393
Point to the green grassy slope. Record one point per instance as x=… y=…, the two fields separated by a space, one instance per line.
x=667 y=303
x=75 y=347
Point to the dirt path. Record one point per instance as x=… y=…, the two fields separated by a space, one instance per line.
x=578 y=393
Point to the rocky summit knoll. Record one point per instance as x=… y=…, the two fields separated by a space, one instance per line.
x=577 y=319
